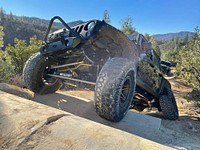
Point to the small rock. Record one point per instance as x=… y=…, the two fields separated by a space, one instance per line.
x=63 y=100
x=194 y=130
x=190 y=125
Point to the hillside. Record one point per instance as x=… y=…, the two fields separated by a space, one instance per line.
x=23 y=27
x=169 y=36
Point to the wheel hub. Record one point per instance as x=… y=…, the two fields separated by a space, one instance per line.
x=48 y=80
x=125 y=92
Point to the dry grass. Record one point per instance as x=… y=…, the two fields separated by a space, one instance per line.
x=17 y=80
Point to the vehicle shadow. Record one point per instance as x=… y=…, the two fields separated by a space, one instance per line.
x=149 y=125
x=133 y=123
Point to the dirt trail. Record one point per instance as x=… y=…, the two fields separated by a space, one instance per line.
x=185 y=131
x=25 y=125
x=181 y=134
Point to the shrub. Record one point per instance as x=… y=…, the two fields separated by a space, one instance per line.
x=21 y=51
x=13 y=59
x=6 y=67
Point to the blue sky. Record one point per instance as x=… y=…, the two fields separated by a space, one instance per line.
x=149 y=16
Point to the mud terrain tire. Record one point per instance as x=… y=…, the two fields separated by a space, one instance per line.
x=168 y=105
x=115 y=88
x=35 y=78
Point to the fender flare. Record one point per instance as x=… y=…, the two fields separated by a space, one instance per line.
x=164 y=84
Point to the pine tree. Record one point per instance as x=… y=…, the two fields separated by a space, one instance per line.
x=172 y=39
x=186 y=38
x=106 y=16
x=10 y=16
x=127 y=26
x=155 y=45
x=147 y=36
x=1 y=37
x=2 y=16
x=177 y=41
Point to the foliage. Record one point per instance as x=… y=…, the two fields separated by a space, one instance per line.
x=186 y=56
x=186 y=39
x=14 y=57
x=169 y=48
x=148 y=73
x=2 y=15
x=147 y=36
x=127 y=26
x=1 y=37
x=106 y=16
x=188 y=65
x=21 y=51
x=155 y=45
x=22 y=27
x=6 y=67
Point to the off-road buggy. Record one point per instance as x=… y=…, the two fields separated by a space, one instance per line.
x=125 y=71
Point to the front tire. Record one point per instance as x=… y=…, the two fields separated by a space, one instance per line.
x=35 y=75
x=114 y=89
x=168 y=105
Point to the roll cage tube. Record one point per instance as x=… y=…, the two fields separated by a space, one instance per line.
x=74 y=33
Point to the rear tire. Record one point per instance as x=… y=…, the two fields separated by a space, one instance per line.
x=35 y=75
x=168 y=105
x=114 y=89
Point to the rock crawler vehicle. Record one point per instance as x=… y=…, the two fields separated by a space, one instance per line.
x=125 y=71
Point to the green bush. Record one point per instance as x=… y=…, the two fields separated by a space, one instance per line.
x=6 y=67
x=21 y=51
x=13 y=59
x=187 y=60
x=188 y=64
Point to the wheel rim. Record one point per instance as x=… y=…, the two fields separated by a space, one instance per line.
x=48 y=80
x=125 y=93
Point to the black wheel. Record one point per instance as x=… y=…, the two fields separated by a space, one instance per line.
x=35 y=75
x=168 y=105
x=114 y=89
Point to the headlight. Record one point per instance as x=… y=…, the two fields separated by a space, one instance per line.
x=91 y=25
